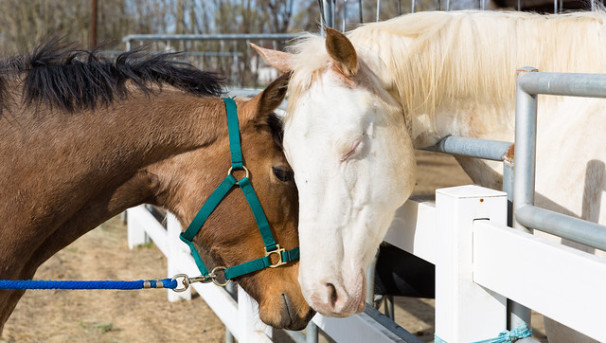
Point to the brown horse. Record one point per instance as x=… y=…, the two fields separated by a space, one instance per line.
x=83 y=138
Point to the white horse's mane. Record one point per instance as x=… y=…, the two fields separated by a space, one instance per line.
x=437 y=59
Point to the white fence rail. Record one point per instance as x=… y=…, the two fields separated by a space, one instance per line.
x=480 y=262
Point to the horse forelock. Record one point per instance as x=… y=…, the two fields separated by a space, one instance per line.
x=59 y=75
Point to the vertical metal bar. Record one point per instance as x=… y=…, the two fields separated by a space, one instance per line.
x=508 y=188
x=333 y=10
x=555 y=6
x=344 y=22
x=230 y=288
x=93 y=24
x=447 y=5
x=378 y=10
x=361 y=12
x=328 y=12
x=525 y=154
x=311 y=333
x=389 y=307
x=519 y=5
x=524 y=172
x=370 y=282
x=592 y=4
x=400 y=7
x=412 y=6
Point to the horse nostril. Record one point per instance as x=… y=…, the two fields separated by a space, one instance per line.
x=332 y=294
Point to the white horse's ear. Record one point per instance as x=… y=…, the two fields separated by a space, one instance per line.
x=278 y=59
x=342 y=51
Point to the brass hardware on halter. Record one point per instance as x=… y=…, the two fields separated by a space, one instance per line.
x=231 y=169
x=213 y=276
x=277 y=251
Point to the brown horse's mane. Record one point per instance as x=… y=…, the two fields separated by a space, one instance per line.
x=59 y=75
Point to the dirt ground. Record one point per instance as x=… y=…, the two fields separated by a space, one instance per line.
x=146 y=315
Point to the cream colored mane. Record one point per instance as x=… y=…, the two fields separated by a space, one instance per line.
x=432 y=60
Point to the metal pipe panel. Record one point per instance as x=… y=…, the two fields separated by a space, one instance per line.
x=525 y=138
x=568 y=84
x=473 y=147
x=524 y=173
x=222 y=36
x=574 y=229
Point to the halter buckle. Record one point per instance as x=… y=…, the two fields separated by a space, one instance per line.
x=277 y=251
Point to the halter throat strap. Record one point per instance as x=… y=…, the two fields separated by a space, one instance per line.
x=271 y=247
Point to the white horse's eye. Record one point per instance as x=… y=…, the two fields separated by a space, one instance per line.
x=352 y=150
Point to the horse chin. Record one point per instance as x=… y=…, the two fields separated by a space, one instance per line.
x=284 y=312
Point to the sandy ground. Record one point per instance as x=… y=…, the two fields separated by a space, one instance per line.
x=147 y=316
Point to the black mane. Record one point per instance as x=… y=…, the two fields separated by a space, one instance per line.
x=59 y=75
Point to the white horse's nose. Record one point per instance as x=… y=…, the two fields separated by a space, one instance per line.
x=333 y=299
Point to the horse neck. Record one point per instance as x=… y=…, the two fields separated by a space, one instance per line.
x=454 y=73
x=66 y=173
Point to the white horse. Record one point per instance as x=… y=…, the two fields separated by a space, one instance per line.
x=359 y=104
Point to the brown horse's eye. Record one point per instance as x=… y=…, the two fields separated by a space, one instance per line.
x=283 y=174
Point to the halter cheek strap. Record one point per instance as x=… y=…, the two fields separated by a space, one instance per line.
x=271 y=247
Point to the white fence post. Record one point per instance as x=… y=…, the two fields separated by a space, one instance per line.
x=135 y=233
x=465 y=311
x=177 y=252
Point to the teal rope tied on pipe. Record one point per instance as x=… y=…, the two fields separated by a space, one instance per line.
x=506 y=336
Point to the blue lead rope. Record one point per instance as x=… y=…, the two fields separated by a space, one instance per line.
x=506 y=336
x=123 y=285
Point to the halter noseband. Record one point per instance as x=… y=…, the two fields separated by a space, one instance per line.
x=271 y=247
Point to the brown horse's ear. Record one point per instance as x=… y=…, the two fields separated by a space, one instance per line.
x=271 y=97
x=280 y=60
x=342 y=51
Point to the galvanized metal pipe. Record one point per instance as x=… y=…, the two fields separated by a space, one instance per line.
x=360 y=11
x=472 y=147
x=222 y=36
x=327 y=6
x=390 y=325
x=231 y=289
x=568 y=84
x=370 y=281
x=344 y=22
x=524 y=173
x=296 y=336
x=525 y=138
x=311 y=333
x=508 y=188
x=564 y=226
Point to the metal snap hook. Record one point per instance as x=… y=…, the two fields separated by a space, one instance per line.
x=185 y=283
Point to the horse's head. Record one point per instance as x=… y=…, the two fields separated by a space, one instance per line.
x=354 y=165
x=230 y=236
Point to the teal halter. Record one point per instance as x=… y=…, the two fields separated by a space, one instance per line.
x=271 y=247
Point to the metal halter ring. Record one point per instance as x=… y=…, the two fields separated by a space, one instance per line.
x=231 y=169
x=213 y=276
